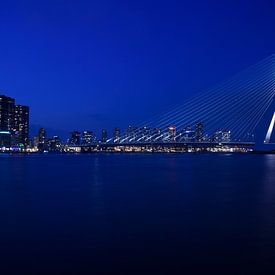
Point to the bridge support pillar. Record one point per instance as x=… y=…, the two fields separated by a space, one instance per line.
x=265 y=132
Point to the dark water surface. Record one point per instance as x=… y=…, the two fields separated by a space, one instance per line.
x=137 y=214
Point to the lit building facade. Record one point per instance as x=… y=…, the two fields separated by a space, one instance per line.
x=88 y=137
x=54 y=144
x=7 y=108
x=21 y=124
x=222 y=136
x=15 y=120
x=172 y=133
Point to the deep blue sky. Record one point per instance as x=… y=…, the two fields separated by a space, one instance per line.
x=95 y=64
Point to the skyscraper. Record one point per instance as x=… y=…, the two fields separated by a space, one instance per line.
x=88 y=137
x=21 y=124
x=15 y=120
x=131 y=133
x=54 y=144
x=5 y=139
x=75 y=138
x=7 y=107
x=199 y=132
x=116 y=135
x=221 y=136
x=42 y=136
x=144 y=134
x=172 y=132
x=188 y=134
x=104 y=136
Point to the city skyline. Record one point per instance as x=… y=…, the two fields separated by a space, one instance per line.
x=232 y=111
x=95 y=62
x=63 y=134
x=15 y=121
x=15 y=138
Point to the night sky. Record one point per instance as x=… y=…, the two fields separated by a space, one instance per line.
x=105 y=64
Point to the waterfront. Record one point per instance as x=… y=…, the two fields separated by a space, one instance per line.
x=137 y=214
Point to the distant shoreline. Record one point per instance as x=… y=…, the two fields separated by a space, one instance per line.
x=133 y=153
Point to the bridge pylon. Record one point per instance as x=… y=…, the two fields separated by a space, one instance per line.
x=265 y=131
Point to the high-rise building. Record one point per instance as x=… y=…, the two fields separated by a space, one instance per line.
x=88 y=137
x=21 y=124
x=7 y=106
x=5 y=139
x=54 y=144
x=75 y=138
x=116 y=135
x=14 y=119
x=35 y=142
x=42 y=136
x=145 y=134
x=104 y=135
x=131 y=133
x=187 y=134
x=199 y=132
x=226 y=136
x=221 y=136
x=172 y=131
x=42 y=140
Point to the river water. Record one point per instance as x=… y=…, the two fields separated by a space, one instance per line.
x=137 y=214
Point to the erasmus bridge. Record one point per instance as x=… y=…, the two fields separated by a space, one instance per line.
x=240 y=110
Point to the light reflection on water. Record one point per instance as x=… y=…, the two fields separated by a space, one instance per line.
x=109 y=212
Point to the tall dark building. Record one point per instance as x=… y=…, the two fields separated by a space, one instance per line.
x=75 y=138
x=21 y=124
x=131 y=133
x=14 y=119
x=54 y=144
x=172 y=132
x=199 y=132
x=221 y=136
x=188 y=134
x=42 y=136
x=7 y=107
x=145 y=131
x=42 y=140
x=104 y=136
x=5 y=139
x=88 y=137
x=116 y=135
